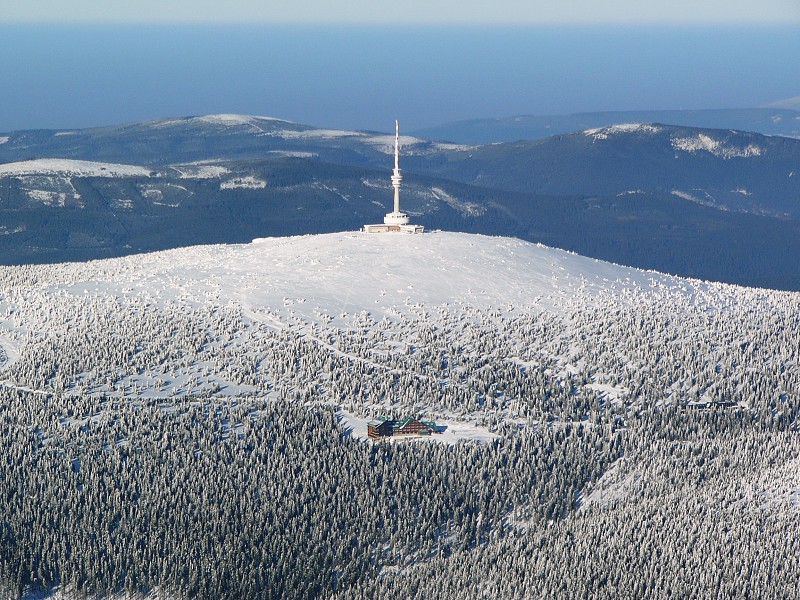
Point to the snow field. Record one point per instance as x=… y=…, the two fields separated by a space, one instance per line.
x=703 y=142
x=76 y=168
x=439 y=324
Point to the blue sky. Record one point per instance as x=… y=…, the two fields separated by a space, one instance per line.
x=81 y=63
x=406 y=11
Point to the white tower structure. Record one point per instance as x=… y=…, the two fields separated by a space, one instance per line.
x=395 y=220
x=396 y=217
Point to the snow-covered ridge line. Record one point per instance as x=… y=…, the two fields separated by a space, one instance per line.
x=602 y=133
x=323 y=134
x=227 y=120
x=693 y=143
x=69 y=167
x=232 y=119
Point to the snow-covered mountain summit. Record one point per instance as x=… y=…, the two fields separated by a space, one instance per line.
x=362 y=297
x=350 y=272
x=721 y=144
x=132 y=386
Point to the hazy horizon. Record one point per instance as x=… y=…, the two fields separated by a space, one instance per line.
x=415 y=12
x=63 y=76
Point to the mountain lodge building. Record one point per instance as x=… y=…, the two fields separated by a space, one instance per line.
x=383 y=427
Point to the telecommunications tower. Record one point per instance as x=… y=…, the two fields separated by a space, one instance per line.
x=395 y=220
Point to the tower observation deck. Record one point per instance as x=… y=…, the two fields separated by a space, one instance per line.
x=395 y=220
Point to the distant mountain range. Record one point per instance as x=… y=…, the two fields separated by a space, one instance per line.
x=708 y=203
x=783 y=121
x=729 y=170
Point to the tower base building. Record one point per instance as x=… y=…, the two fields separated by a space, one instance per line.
x=386 y=228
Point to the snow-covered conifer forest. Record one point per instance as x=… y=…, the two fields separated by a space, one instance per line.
x=190 y=424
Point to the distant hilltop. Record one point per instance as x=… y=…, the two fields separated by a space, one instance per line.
x=779 y=119
x=717 y=204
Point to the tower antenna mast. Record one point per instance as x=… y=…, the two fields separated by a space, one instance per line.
x=396 y=177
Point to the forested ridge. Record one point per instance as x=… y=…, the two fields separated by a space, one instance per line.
x=182 y=442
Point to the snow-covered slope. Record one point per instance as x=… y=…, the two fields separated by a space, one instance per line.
x=383 y=274
x=436 y=306
x=68 y=167
x=706 y=141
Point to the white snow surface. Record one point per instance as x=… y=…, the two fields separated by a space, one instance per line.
x=607 y=391
x=454 y=431
x=311 y=285
x=223 y=120
x=323 y=134
x=385 y=143
x=685 y=195
x=381 y=273
x=777 y=485
x=200 y=171
x=231 y=119
x=68 y=167
x=326 y=290
x=247 y=183
x=293 y=153
x=603 y=133
x=614 y=486
x=466 y=208
x=706 y=143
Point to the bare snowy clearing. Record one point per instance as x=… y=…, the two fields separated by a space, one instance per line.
x=293 y=153
x=777 y=486
x=468 y=209
x=703 y=142
x=606 y=391
x=351 y=272
x=454 y=147
x=201 y=171
x=67 y=167
x=52 y=190
x=614 y=486
x=454 y=431
x=245 y=183
x=222 y=120
x=385 y=143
